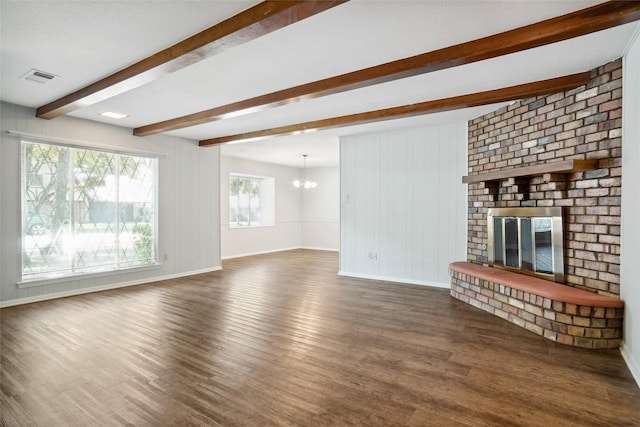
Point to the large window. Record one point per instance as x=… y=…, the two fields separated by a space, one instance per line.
x=86 y=211
x=250 y=201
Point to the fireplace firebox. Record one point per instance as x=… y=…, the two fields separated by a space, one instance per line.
x=527 y=240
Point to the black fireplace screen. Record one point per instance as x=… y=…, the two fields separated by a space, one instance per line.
x=528 y=240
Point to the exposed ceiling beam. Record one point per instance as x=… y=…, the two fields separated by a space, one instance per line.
x=527 y=90
x=579 y=23
x=254 y=22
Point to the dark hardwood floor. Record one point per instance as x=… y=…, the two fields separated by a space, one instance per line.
x=280 y=339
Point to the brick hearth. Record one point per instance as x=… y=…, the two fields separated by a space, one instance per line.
x=560 y=313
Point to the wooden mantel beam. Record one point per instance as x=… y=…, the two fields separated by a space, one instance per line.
x=248 y=25
x=538 y=88
x=579 y=23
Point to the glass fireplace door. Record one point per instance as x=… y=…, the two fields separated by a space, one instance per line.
x=527 y=242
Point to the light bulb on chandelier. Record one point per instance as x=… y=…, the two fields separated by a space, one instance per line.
x=304 y=182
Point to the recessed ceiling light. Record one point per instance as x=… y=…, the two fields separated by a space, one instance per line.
x=113 y=115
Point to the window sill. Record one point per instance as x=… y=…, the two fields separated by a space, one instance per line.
x=63 y=279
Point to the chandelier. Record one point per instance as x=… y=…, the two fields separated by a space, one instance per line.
x=304 y=182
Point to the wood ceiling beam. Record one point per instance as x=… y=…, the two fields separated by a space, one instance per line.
x=527 y=90
x=579 y=23
x=248 y=25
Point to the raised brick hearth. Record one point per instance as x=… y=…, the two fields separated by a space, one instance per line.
x=561 y=313
x=583 y=123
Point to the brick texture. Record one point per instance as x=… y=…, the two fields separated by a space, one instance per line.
x=583 y=123
x=576 y=325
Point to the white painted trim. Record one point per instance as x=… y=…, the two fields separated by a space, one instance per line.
x=631 y=364
x=84 y=276
x=270 y=251
x=395 y=279
x=320 y=249
x=28 y=300
x=632 y=40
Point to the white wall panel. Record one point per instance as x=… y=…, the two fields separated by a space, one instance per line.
x=630 y=238
x=321 y=210
x=403 y=209
x=188 y=231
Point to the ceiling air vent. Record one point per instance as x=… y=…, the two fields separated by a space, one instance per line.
x=39 y=76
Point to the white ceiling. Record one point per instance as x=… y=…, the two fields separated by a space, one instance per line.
x=83 y=41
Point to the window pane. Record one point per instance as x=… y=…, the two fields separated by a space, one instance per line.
x=136 y=209
x=90 y=210
x=246 y=200
x=95 y=210
x=46 y=208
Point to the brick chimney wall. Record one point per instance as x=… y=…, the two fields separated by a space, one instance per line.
x=583 y=123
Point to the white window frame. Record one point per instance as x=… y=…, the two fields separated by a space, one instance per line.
x=266 y=199
x=58 y=278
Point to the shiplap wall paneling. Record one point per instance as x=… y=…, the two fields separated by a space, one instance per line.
x=360 y=207
x=353 y=252
x=453 y=225
x=347 y=213
x=9 y=183
x=405 y=203
x=630 y=239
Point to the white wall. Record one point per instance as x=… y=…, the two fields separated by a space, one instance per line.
x=402 y=200
x=303 y=218
x=321 y=210
x=630 y=246
x=285 y=234
x=188 y=231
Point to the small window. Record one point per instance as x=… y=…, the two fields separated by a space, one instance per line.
x=86 y=211
x=251 y=201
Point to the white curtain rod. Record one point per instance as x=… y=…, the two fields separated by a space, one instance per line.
x=83 y=144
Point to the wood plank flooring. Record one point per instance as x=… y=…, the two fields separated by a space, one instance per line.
x=280 y=339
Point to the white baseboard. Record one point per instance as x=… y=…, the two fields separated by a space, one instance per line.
x=320 y=249
x=28 y=300
x=631 y=363
x=395 y=279
x=270 y=251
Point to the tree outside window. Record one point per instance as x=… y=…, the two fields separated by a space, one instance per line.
x=250 y=201
x=86 y=211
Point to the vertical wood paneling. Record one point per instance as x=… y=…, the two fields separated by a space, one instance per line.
x=405 y=203
x=630 y=239
x=347 y=216
x=188 y=220
x=420 y=204
x=372 y=201
x=462 y=210
x=167 y=215
x=9 y=180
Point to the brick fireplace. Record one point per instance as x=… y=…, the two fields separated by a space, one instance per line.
x=581 y=124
